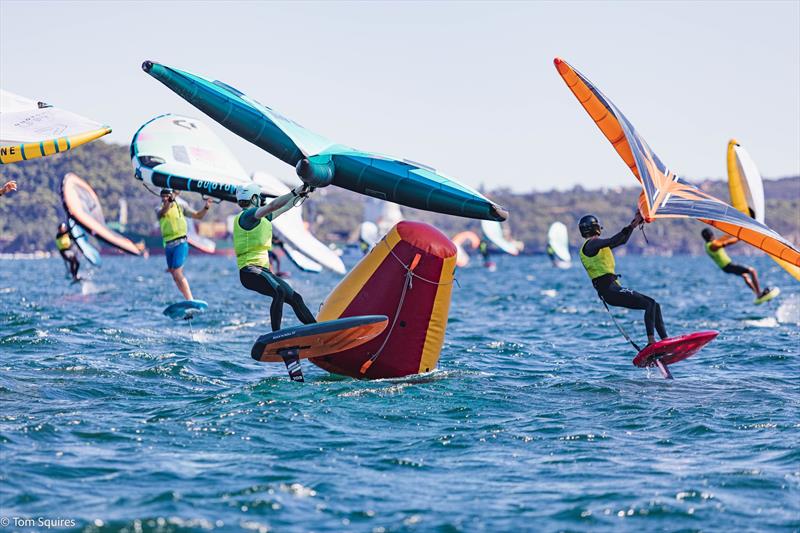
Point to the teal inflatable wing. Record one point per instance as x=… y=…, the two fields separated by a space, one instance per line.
x=319 y=161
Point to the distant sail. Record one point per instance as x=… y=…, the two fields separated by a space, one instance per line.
x=30 y=129
x=665 y=194
x=301 y=261
x=494 y=232
x=83 y=206
x=292 y=229
x=319 y=161
x=382 y=215
x=182 y=153
x=461 y=240
x=747 y=192
x=82 y=241
x=558 y=242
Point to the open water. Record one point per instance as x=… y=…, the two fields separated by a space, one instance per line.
x=115 y=418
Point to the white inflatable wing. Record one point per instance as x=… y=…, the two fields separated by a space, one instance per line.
x=292 y=229
x=30 y=129
x=558 y=239
x=301 y=261
x=182 y=153
x=494 y=232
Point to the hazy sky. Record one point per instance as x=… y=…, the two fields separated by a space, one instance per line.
x=468 y=88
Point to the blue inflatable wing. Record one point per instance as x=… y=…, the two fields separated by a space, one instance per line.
x=319 y=161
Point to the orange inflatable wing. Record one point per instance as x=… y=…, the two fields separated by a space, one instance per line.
x=665 y=194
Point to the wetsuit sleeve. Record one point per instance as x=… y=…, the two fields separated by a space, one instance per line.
x=593 y=246
x=248 y=221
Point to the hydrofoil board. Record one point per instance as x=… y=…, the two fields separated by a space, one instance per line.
x=672 y=350
x=186 y=309
x=315 y=340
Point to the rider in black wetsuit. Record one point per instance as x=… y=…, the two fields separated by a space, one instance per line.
x=68 y=251
x=598 y=260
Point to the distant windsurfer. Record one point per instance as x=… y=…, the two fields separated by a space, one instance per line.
x=68 y=251
x=8 y=187
x=598 y=260
x=252 y=241
x=172 y=219
x=716 y=251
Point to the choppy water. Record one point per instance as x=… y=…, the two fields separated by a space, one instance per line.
x=117 y=418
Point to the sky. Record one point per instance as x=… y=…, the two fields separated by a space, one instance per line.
x=468 y=88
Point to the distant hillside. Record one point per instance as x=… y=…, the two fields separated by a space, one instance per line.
x=28 y=218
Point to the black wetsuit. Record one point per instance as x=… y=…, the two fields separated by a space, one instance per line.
x=70 y=256
x=261 y=280
x=610 y=290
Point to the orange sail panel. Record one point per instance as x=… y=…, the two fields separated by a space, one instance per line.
x=665 y=194
x=83 y=206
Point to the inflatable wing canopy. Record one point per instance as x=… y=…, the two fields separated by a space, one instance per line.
x=83 y=206
x=558 y=240
x=82 y=241
x=494 y=232
x=408 y=277
x=665 y=194
x=30 y=129
x=301 y=261
x=292 y=229
x=319 y=161
x=182 y=153
x=747 y=192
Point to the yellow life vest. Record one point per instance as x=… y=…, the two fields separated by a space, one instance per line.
x=252 y=246
x=719 y=256
x=601 y=264
x=173 y=223
x=63 y=241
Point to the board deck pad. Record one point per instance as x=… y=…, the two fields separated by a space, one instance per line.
x=773 y=292
x=186 y=309
x=318 y=339
x=674 y=349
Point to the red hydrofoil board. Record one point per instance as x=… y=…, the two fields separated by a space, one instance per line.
x=669 y=351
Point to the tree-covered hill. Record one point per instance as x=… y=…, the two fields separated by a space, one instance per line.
x=28 y=217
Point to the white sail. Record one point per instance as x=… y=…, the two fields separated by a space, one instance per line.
x=30 y=129
x=494 y=232
x=558 y=241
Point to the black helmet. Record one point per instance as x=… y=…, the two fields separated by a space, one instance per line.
x=165 y=192
x=588 y=225
x=707 y=234
x=62 y=228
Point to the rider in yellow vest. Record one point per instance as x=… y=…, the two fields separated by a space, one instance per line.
x=598 y=260
x=172 y=220
x=716 y=251
x=67 y=250
x=252 y=241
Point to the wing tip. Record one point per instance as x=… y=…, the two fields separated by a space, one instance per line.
x=498 y=213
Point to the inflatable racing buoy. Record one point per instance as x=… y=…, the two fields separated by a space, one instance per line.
x=408 y=277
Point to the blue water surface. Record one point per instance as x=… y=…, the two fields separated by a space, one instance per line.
x=117 y=418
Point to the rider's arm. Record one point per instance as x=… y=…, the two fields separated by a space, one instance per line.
x=278 y=206
x=199 y=214
x=722 y=242
x=593 y=246
x=164 y=208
